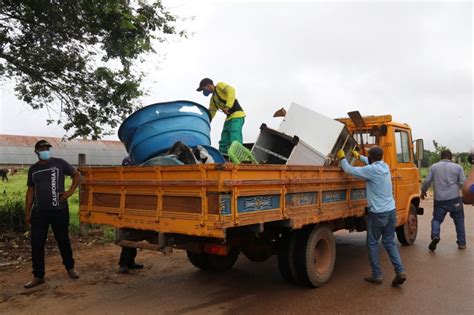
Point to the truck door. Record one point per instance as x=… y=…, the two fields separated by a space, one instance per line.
x=404 y=172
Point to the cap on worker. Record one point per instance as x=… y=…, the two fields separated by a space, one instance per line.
x=42 y=143
x=203 y=83
x=376 y=153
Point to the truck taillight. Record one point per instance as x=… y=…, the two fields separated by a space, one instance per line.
x=215 y=249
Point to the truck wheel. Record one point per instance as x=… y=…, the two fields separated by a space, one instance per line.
x=198 y=260
x=223 y=263
x=257 y=250
x=285 y=255
x=315 y=255
x=407 y=232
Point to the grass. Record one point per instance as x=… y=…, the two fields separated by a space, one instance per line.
x=15 y=189
x=12 y=205
x=423 y=172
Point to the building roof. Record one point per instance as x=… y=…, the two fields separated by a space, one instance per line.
x=19 y=150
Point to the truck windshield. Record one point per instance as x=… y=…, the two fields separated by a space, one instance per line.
x=366 y=137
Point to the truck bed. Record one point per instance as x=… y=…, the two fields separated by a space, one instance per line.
x=208 y=200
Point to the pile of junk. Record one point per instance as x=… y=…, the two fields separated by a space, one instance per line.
x=175 y=133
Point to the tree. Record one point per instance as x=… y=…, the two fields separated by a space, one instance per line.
x=425 y=162
x=462 y=157
x=77 y=58
x=436 y=155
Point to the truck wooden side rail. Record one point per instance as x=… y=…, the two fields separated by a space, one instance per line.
x=207 y=200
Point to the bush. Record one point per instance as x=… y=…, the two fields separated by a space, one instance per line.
x=12 y=212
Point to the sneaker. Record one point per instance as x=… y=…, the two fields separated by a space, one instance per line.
x=399 y=279
x=123 y=270
x=373 y=280
x=462 y=246
x=73 y=274
x=33 y=283
x=434 y=242
x=135 y=266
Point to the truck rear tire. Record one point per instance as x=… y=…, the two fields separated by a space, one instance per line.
x=407 y=232
x=315 y=256
x=205 y=261
x=285 y=255
x=257 y=249
x=223 y=263
x=198 y=260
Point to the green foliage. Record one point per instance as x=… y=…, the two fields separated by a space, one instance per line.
x=426 y=161
x=12 y=203
x=423 y=172
x=80 y=55
x=462 y=157
x=108 y=235
x=12 y=212
x=436 y=155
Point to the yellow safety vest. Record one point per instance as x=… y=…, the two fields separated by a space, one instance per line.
x=224 y=97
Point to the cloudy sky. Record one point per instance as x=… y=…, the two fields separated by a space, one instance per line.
x=412 y=60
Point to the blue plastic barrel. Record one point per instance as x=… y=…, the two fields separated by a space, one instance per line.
x=155 y=128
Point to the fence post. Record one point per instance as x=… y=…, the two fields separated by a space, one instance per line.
x=81 y=163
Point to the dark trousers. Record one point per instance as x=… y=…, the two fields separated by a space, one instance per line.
x=40 y=222
x=456 y=211
x=127 y=256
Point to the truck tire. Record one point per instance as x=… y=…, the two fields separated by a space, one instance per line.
x=257 y=250
x=205 y=261
x=198 y=260
x=315 y=256
x=407 y=232
x=285 y=256
x=223 y=263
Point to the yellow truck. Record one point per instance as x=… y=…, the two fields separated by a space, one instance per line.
x=217 y=211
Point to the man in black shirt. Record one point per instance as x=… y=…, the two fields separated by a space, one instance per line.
x=46 y=204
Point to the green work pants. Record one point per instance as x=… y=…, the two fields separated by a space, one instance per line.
x=232 y=131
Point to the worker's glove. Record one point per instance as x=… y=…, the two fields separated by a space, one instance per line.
x=423 y=195
x=341 y=155
x=355 y=154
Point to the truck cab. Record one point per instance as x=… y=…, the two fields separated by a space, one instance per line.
x=402 y=154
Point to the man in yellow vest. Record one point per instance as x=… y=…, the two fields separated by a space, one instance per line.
x=223 y=99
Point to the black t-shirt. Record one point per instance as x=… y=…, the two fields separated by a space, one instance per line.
x=48 y=181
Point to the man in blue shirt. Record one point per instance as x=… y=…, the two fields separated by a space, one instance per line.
x=382 y=216
x=447 y=178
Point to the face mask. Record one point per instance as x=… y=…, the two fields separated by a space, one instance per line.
x=206 y=92
x=44 y=155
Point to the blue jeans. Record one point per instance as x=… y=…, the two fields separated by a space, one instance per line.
x=382 y=225
x=456 y=211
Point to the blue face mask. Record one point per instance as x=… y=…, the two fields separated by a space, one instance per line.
x=206 y=92
x=44 y=155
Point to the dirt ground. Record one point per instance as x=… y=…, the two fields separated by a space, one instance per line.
x=438 y=283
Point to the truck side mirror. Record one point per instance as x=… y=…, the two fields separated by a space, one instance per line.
x=420 y=149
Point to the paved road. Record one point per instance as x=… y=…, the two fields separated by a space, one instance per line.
x=438 y=283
